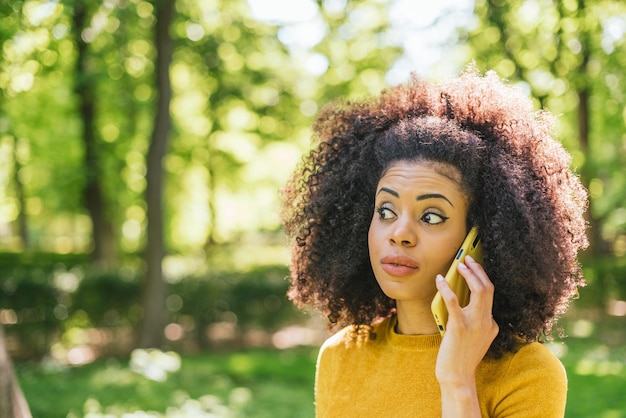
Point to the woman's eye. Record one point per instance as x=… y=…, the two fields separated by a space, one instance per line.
x=384 y=213
x=433 y=218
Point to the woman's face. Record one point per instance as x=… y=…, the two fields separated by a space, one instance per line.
x=418 y=225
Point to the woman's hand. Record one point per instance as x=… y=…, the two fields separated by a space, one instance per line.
x=469 y=333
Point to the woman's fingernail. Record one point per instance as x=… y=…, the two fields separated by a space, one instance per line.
x=439 y=278
x=470 y=259
x=462 y=265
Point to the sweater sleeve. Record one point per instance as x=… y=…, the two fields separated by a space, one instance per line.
x=321 y=384
x=535 y=385
x=324 y=373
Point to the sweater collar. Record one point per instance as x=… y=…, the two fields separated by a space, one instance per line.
x=408 y=342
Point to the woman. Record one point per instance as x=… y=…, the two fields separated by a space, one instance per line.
x=376 y=214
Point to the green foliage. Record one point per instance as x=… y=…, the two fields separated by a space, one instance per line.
x=108 y=299
x=606 y=281
x=242 y=103
x=256 y=298
x=29 y=297
x=45 y=298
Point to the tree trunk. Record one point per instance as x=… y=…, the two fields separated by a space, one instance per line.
x=597 y=244
x=210 y=240
x=12 y=401
x=22 y=217
x=154 y=289
x=104 y=251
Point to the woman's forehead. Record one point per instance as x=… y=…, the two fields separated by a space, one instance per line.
x=425 y=167
x=425 y=177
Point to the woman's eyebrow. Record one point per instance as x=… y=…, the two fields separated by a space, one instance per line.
x=388 y=190
x=418 y=198
x=433 y=196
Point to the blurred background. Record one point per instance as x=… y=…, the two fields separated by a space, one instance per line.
x=142 y=147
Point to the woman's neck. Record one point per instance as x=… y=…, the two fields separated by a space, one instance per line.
x=415 y=318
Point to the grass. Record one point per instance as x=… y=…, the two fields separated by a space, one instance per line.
x=253 y=383
x=596 y=379
x=269 y=383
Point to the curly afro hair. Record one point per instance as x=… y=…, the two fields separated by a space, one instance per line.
x=523 y=197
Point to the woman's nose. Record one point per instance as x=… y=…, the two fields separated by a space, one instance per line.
x=403 y=233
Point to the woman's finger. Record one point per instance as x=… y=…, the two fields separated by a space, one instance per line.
x=481 y=287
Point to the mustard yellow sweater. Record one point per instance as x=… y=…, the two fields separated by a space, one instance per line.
x=393 y=375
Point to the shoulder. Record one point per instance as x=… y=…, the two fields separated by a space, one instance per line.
x=532 y=359
x=356 y=336
x=336 y=340
x=530 y=382
x=335 y=347
x=533 y=365
x=332 y=356
x=537 y=356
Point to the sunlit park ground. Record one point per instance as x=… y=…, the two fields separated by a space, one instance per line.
x=279 y=383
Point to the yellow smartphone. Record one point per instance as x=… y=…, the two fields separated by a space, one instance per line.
x=471 y=246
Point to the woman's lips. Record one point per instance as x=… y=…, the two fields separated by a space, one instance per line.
x=398 y=265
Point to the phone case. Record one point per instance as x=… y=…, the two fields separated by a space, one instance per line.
x=471 y=246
